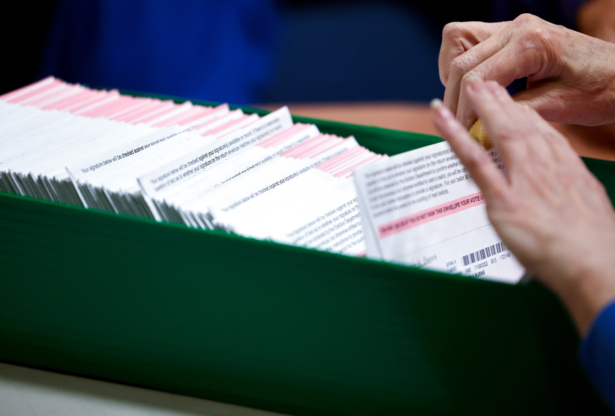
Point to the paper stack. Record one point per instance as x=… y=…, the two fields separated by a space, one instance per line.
x=261 y=177
x=211 y=168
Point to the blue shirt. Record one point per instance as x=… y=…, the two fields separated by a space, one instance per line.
x=597 y=354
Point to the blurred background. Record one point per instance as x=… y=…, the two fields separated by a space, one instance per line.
x=246 y=51
x=366 y=62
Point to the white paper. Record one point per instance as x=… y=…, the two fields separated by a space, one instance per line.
x=421 y=208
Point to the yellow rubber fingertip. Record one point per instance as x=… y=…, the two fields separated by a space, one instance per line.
x=478 y=133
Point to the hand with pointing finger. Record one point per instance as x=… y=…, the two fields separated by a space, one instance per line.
x=549 y=210
x=570 y=76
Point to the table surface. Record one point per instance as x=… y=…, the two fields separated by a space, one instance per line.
x=26 y=391
x=595 y=142
x=36 y=392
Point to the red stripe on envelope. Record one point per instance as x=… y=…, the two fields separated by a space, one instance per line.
x=430 y=214
x=280 y=137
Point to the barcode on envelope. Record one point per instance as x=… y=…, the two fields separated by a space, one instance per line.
x=483 y=254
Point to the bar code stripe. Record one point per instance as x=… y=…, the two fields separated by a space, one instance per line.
x=483 y=254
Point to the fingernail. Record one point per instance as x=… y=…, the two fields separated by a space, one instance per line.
x=435 y=103
x=444 y=112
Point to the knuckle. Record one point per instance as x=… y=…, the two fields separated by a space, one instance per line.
x=508 y=135
x=468 y=77
x=540 y=38
x=530 y=38
x=539 y=35
x=459 y=65
x=526 y=19
x=549 y=38
x=452 y=30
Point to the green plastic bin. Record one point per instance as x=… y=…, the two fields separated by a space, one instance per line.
x=276 y=327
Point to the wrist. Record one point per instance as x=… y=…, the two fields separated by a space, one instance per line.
x=585 y=293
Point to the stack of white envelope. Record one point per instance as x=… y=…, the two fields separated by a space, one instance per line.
x=205 y=167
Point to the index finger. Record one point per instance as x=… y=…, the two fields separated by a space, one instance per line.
x=508 y=64
x=458 y=38
x=461 y=53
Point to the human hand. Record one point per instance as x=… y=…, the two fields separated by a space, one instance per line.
x=570 y=76
x=549 y=210
x=597 y=18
